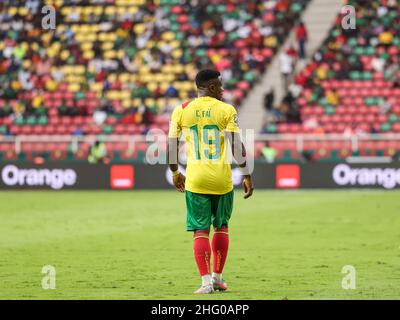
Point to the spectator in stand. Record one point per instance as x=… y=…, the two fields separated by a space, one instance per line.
x=302 y=37
x=92 y=50
x=269 y=153
x=286 y=67
x=98 y=153
x=99 y=117
x=384 y=106
x=386 y=38
x=269 y=100
x=332 y=97
x=290 y=108
x=396 y=80
x=392 y=69
x=378 y=63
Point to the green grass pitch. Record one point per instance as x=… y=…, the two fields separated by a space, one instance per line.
x=133 y=245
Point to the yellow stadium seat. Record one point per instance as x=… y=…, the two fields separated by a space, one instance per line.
x=168 y=36
x=111 y=36
x=133 y=78
x=186 y=86
x=60 y=28
x=178 y=68
x=166 y=68
x=164 y=86
x=26 y=64
x=161 y=103
x=146 y=77
x=51 y=53
x=174 y=101
x=80 y=69
x=78 y=9
x=110 y=10
x=176 y=54
x=126 y=103
x=74 y=87
x=144 y=69
x=34 y=46
x=112 y=77
x=139 y=28
x=79 y=37
x=98 y=10
x=152 y=86
x=76 y=28
x=115 y=95
x=150 y=44
x=102 y=36
x=88 y=10
x=149 y=101
x=121 y=10
x=158 y=77
x=107 y=46
x=23 y=11
x=110 y=54
x=123 y=77
x=65 y=11
x=175 y=44
x=94 y=28
x=64 y=55
x=125 y=94
x=120 y=54
x=51 y=85
x=177 y=85
x=86 y=46
x=133 y=10
x=70 y=69
x=96 y=86
x=24 y=45
x=92 y=37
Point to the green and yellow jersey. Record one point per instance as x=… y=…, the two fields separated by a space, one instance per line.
x=202 y=123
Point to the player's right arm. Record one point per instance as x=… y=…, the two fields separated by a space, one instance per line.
x=174 y=133
x=239 y=150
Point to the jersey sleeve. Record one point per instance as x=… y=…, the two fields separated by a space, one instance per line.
x=232 y=120
x=175 y=126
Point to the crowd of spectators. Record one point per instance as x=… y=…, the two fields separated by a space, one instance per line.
x=137 y=57
x=369 y=52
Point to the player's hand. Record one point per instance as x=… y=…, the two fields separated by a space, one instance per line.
x=179 y=182
x=247 y=186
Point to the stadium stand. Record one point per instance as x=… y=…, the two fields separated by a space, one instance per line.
x=351 y=85
x=120 y=66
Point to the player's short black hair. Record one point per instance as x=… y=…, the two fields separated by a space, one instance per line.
x=206 y=75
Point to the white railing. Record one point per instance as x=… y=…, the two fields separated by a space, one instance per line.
x=353 y=139
x=131 y=140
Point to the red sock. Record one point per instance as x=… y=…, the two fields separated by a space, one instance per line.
x=220 y=244
x=202 y=252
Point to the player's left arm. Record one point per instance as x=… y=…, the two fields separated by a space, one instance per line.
x=239 y=154
x=239 y=151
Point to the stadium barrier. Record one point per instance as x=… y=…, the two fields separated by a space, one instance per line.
x=151 y=148
x=63 y=176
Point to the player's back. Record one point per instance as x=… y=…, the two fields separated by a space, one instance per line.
x=202 y=123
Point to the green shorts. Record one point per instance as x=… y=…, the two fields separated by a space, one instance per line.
x=206 y=209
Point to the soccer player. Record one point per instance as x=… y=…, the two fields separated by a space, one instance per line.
x=207 y=124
